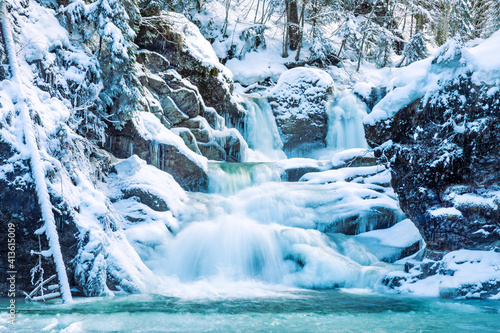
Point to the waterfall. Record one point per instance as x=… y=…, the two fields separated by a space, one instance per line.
x=261 y=131
x=252 y=228
x=345 y=123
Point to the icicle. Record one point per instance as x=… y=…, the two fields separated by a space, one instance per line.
x=36 y=162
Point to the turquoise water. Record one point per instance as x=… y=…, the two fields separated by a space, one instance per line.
x=297 y=311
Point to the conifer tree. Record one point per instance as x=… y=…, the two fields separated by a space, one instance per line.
x=461 y=19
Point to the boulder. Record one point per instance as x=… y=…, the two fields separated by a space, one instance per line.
x=445 y=164
x=299 y=103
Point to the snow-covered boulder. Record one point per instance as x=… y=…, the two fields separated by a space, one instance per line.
x=299 y=103
x=149 y=139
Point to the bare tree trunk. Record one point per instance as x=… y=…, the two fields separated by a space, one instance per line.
x=341 y=48
x=293 y=24
x=256 y=11
x=365 y=34
x=224 y=27
x=285 y=31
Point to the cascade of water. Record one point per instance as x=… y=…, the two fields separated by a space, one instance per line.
x=253 y=227
x=345 y=123
x=261 y=131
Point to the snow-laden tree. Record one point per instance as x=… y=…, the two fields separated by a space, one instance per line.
x=320 y=14
x=493 y=17
x=415 y=49
x=461 y=19
x=348 y=33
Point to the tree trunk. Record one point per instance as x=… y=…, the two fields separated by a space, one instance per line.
x=36 y=164
x=285 y=31
x=293 y=24
x=367 y=24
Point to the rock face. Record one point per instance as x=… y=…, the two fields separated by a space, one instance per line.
x=178 y=104
x=175 y=37
x=299 y=103
x=445 y=161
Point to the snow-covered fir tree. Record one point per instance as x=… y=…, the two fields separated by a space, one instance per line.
x=461 y=19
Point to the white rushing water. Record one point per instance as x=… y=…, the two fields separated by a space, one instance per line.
x=345 y=123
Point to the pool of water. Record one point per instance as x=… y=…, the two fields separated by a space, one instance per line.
x=292 y=311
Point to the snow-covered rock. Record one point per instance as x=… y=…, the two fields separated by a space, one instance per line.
x=148 y=138
x=443 y=145
x=299 y=103
x=180 y=41
x=459 y=274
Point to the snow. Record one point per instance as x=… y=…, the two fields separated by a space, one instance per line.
x=318 y=79
x=53 y=36
x=194 y=43
x=470 y=199
x=298 y=162
x=136 y=173
x=340 y=158
x=344 y=174
x=257 y=66
x=449 y=211
x=485 y=60
x=401 y=235
x=459 y=270
x=363 y=89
